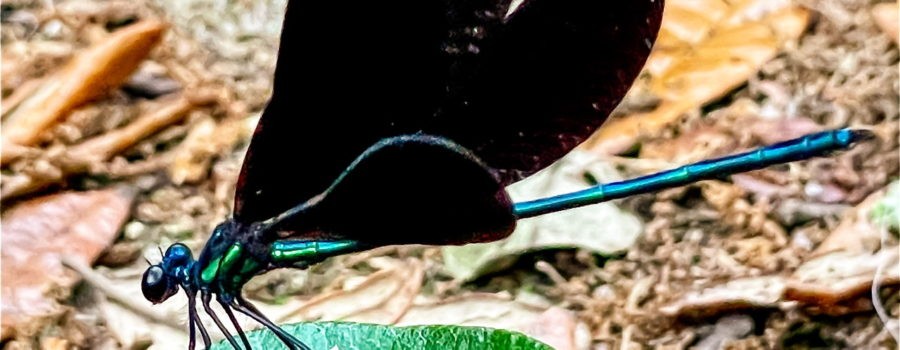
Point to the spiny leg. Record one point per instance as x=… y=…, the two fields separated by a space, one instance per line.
x=234 y=321
x=192 y=312
x=209 y=311
x=246 y=308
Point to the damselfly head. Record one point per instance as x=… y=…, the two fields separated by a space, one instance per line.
x=161 y=281
x=157 y=285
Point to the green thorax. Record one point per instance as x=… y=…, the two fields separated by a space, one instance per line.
x=233 y=268
x=236 y=265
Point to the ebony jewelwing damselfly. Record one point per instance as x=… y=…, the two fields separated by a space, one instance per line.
x=402 y=122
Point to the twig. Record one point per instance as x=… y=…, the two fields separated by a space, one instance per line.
x=20 y=94
x=123 y=168
x=551 y=272
x=368 y=254
x=80 y=158
x=638 y=292
x=626 y=337
x=103 y=147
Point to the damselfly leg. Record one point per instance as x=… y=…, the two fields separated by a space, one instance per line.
x=212 y=314
x=195 y=319
x=192 y=333
x=237 y=326
x=246 y=308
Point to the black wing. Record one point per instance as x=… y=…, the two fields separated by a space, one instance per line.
x=519 y=91
x=349 y=74
x=408 y=189
x=546 y=79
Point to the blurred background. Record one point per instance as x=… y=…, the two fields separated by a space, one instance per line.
x=125 y=123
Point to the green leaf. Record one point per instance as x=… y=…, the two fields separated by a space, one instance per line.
x=347 y=335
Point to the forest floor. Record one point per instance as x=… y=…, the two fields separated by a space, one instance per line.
x=778 y=258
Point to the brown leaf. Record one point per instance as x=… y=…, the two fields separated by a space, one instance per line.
x=887 y=17
x=770 y=131
x=382 y=297
x=844 y=265
x=739 y=294
x=78 y=225
x=727 y=136
x=691 y=146
x=705 y=49
x=855 y=234
x=91 y=74
x=205 y=140
x=830 y=283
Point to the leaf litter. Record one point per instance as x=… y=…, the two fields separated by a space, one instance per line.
x=757 y=247
x=37 y=234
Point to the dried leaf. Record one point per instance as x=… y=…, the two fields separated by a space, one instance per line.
x=190 y=161
x=739 y=294
x=887 y=17
x=602 y=228
x=691 y=146
x=89 y=75
x=844 y=265
x=205 y=140
x=36 y=233
x=855 y=234
x=705 y=49
x=727 y=137
x=828 y=282
x=382 y=297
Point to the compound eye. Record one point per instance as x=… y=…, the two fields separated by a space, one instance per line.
x=157 y=286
